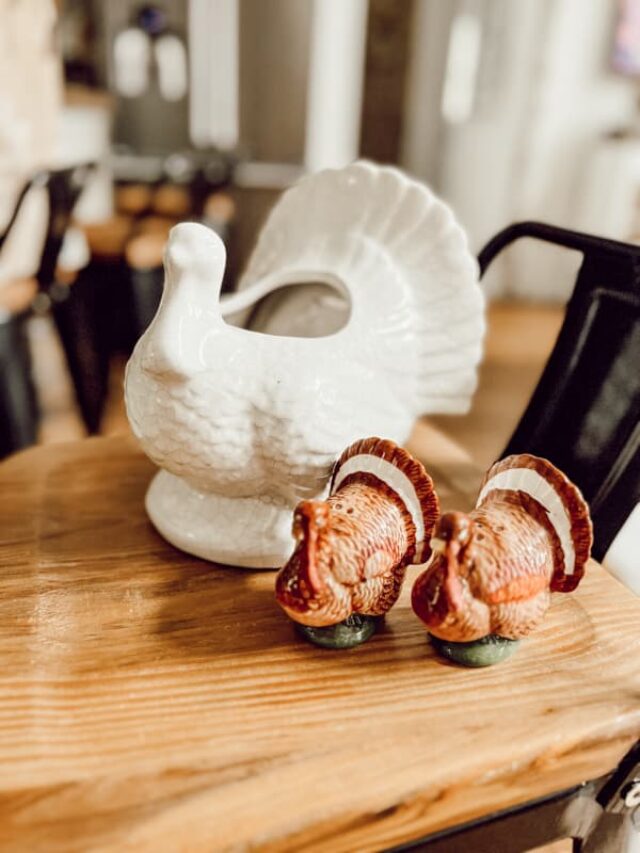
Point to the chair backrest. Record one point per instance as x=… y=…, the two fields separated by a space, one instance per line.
x=63 y=187
x=584 y=414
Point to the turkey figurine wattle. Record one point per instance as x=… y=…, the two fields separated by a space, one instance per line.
x=247 y=420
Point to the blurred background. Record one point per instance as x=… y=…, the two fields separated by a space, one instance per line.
x=118 y=119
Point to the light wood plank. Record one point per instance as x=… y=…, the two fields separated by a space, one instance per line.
x=151 y=701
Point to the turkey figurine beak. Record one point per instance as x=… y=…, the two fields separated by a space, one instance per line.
x=194 y=263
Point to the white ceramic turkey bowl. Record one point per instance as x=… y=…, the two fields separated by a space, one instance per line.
x=361 y=311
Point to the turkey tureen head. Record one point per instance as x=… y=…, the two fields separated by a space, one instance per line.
x=359 y=310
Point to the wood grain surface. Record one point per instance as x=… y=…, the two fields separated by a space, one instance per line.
x=152 y=701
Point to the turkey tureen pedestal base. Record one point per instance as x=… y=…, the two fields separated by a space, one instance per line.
x=251 y=533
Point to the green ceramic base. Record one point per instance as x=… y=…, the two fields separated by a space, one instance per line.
x=345 y=635
x=485 y=652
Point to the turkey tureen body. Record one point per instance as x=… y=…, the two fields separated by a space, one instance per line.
x=245 y=423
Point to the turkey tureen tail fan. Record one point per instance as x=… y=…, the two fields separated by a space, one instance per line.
x=555 y=502
x=396 y=252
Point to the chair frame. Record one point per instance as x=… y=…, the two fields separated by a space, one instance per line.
x=595 y=815
x=609 y=278
x=75 y=309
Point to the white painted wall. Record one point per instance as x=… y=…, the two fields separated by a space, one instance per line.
x=30 y=99
x=336 y=74
x=543 y=98
x=577 y=100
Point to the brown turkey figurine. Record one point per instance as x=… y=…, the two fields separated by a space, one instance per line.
x=352 y=549
x=493 y=570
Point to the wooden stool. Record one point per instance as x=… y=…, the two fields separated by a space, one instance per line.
x=146 y=276
x=172 y=200
x=133 y=199
x=108 y=271
x=154 y=701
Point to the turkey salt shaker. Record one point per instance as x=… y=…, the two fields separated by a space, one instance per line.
x=352 y=550
x=245 y=424
x=494 y=570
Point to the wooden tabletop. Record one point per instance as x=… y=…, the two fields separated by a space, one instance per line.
x=152 y=701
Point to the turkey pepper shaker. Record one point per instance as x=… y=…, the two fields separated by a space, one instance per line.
x=494 y=570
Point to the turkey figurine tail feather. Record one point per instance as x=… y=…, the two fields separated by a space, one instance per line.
x=565 y=511
x=381 y=463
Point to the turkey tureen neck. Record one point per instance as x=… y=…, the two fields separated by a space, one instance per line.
x=189 y=311
x=359 y=310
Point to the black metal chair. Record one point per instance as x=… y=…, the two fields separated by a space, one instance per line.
x=584 y=414
x=76 y=310
x=18 y=406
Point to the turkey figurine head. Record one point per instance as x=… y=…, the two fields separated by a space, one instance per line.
x=446 y=596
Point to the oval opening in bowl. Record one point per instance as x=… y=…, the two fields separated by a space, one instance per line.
x=312 y=308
